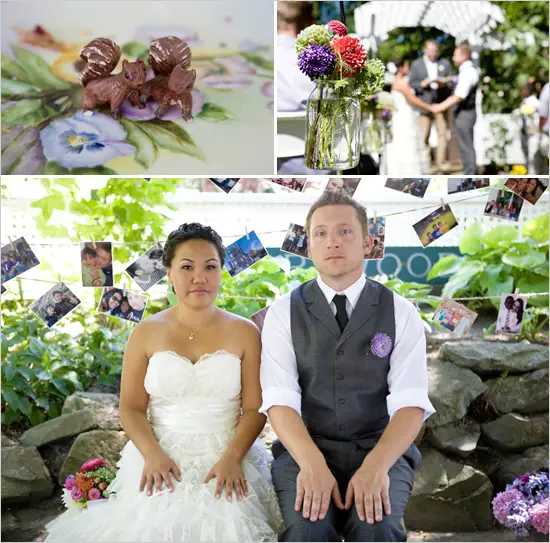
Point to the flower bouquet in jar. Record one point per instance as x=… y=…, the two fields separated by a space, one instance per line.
x=343 y=75
x=376 y=128
x=88 y=485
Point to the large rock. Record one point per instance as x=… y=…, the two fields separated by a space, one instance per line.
x=449 y=497
x=59 y=428
x=451 y=390
x=524 y=394
x=84 y=400
x=104 y=444
x=492 y=357
x=519 y=464
x=7 y=442
x=458 y=437
x=514 y=432
x=24 y=475
x=418 y=439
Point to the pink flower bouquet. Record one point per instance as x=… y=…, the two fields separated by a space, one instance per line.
x=89 y=484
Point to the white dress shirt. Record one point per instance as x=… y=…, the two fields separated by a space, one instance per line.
x=433 y=71
x=468 y=77
x=407 y=377
x=544 y=105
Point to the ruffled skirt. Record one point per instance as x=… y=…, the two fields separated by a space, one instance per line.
x=191 y=512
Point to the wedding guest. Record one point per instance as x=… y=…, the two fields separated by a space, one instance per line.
x=541 y=155
x=534 y=188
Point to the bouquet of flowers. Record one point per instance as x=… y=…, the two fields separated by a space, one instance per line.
x=338 y=64
x=523 y=506
x=89 y=484
x=376 y=125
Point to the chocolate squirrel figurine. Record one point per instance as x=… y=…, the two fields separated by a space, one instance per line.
x=169 y=58
x=102 y=56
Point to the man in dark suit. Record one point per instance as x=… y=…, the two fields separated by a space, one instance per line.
x=426 y=78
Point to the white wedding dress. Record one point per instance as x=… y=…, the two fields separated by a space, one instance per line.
x=193 y=409
x=406 y=154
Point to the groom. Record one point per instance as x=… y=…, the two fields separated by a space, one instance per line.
x=344 y=382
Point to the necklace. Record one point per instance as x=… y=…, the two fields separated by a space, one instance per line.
x=193 y=334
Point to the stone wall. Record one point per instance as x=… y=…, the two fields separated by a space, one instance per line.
x=491 y=425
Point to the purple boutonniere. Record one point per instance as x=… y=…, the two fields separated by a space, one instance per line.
x=381 y=345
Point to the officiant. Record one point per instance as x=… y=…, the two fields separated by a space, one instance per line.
x=429 y=76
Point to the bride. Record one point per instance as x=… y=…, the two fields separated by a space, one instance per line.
x=193 y=469
x=406 y=153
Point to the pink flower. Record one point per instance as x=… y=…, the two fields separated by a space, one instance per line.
x=267 y=90
x=76 y=494
x=94 y=494
x=102 y=486
x=90 y=465
x=501 y=503
x=539 y=517
x=70 y=482
x=338 y=28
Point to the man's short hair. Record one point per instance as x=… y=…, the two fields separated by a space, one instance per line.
x=431 y=40
x=295 y=14
x=465 y=49
x=330 y=198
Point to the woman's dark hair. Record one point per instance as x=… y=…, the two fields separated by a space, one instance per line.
x=400 y=62
x=187 y=232
x=88 y=251
x=520 y=310
x=156 y=254
x=108 y=295
x=540 y=186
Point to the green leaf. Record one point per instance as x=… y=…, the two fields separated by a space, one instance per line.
x=53 y=168
x=9 y=371
x=258 y=60
x=533 y=283
x=24 y=405
x=500 y=233
x=10 y=397
x=171 y=136
x=146 y=150
x=468 y=270
x=38 y=71
x=61 y=385
x=12 y=115
x=14 y=88
x=537 y=228
x=135 y=49
x=48 y=204
x=446 y=265
x=213 y=112
x=12 y=69
x=471 y=241
x=524 y=261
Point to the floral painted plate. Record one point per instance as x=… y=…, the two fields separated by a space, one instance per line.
x=45 y=131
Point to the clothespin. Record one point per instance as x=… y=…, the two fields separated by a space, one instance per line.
x=11 y=243
x=123 y=283
x=59 y=279
x=247 y=232
x=374 y=215
x=516 y=292
x=93 y=242
x=443 y=205
x=157 y=244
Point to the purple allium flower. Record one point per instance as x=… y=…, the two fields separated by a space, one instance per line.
x=501 y=503
x=386 y=113
x=539 y=517
x=316 y=61
x=381 y=345
x=70 y=482
x=76 y=494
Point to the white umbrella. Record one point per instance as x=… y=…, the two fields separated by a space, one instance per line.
x=466 y=20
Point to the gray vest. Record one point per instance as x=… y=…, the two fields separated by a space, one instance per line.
x=469 y=103
x=344 y=386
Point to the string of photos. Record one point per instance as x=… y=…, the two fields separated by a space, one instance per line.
x=147 y=270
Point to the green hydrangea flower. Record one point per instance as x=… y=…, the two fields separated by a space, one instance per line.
x=315 y=34
x=371 y=78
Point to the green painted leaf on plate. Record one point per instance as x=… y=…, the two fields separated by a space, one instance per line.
x=14 y=88
x=53 y=168
x=146 y=150
x=171 y=136
x=213 y=112
x=11 y=116
x=12 y=69
x=38 y=70
x=258 y=60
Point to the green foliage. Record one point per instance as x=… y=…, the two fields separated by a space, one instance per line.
x=41 y=367
x=496 y=262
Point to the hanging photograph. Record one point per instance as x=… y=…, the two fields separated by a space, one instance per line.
x=226 y=184
x=503 y=204
x=148 y=269
x=376 y=236
x=243 y=253
x=314 y=186
x=17 y=258
x=97 y=263
x=55 y=304
x=294 y=183
x=453 y=316
x=415 y=186
x=123 y=304
x=259 y=317
x=343 y=185
x=464 y=184
x=435 y=225
x=510 y=315
x=528 y=188
x=295 y=241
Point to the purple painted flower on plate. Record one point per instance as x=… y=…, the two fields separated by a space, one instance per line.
x=250 y=46
x=172 y=114
x=381 y=345
x=236 y=73
x=83 y=141
x=267 y=90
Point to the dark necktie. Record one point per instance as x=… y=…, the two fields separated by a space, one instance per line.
x=341 y=313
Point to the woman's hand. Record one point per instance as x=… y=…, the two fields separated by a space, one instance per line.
x=158 y=466
x=228 y=473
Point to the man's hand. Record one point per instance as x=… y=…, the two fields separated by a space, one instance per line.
x=370 y=486
x=437 y=108
x=315 y=486
x=425 y=82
